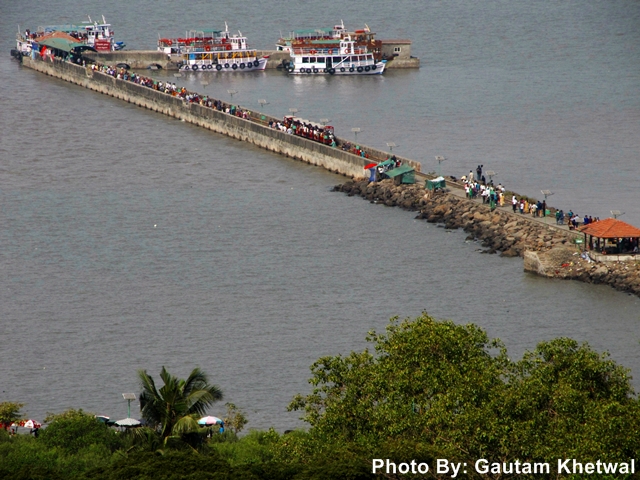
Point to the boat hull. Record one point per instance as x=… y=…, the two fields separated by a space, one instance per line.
x=231 y=66
x=376 y=69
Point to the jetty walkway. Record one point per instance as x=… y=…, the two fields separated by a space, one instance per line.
x=500 y=230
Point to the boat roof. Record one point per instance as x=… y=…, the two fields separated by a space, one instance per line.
x=312 y=31
x=322 y=42
x=64 y=44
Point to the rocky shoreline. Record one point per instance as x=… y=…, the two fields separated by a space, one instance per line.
x=547 y=251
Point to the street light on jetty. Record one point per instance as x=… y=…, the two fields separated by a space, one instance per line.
x=204 y=83
x=391 y=145
x=355 y=131
x=440 y=159
x=617 y=213
x=177 y=75
x=262 y=103
x=293 y=111
x=232 y=93
x=128 y=397
x=324 y=121
x=491 y=174
x=546 y=193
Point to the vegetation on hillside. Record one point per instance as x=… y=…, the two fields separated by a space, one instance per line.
x=425 y=390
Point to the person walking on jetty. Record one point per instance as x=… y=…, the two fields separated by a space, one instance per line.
x=514 y=203
x=479 y=172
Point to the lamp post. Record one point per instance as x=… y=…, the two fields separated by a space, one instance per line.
x=262 y=103
x=546 y=193
x=491 y=174
x=391 y=145
x=440 y=159
x=128 y=397
x=355 y=131
x=204 y=83
x=617 y=213
x=232 y=93
x=324 y=121
x=177 y=75
x=293 y=111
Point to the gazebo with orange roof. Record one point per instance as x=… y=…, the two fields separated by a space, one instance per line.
x=626 y=236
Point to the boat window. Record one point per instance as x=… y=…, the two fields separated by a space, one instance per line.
x=320 y=60
x=305 y=59
x=337 y=59
x=354 y=58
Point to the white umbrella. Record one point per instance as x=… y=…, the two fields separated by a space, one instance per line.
x=31 y=424
x=128 y=422
x=209 y=421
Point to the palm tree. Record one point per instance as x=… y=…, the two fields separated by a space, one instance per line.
x=174 y=409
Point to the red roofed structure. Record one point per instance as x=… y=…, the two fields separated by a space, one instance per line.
x=611 y=228
x=625 y=237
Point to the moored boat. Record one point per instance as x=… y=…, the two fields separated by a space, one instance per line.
x=99 y=36
x=333 y=57
x=209 y=50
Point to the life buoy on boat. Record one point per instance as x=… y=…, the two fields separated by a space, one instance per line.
x=315 y=70
x=242 y=65
x=195 y=67
x=374 y=66
x=256 y=63
x=234 y=66
x=207 y=48
x=360 y=69
x=331 y=51
x=313 y=52
x=367 y=68
x=332 y=71
x=218 y=67
x=351 y=69
x=342 y=69
x=226 y=65
x=228 y=47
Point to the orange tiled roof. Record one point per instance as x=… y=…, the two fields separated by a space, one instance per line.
x=611 y=228
x=57 y=34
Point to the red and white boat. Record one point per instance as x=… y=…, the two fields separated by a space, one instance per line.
x=209 y=50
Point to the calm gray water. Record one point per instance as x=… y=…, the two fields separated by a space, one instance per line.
x=130 y=240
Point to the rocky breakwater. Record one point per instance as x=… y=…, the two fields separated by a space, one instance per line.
x=547 y=250
x=566 y=263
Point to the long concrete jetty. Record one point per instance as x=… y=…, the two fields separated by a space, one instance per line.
x=254 y=129
x=547 y=250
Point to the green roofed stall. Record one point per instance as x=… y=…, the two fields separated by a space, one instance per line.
x=402 y=174
x=435 y=183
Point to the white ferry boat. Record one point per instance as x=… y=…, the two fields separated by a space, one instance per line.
x=225 y=61
x=333 y=57
x=203 y=50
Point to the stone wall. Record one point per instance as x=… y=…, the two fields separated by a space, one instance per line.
x=546 y=250
x=254 y=130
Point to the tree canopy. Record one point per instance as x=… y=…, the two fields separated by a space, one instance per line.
x=434 y=389
x=174 y=408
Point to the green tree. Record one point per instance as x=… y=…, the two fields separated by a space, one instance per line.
x=235 y=419
x=173 y=409
x=74 y=430
x=433 y=389
x=9 y=413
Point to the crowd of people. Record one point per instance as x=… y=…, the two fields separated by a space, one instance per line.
x=301 y=128
x=171 y=89
x=476 y=186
